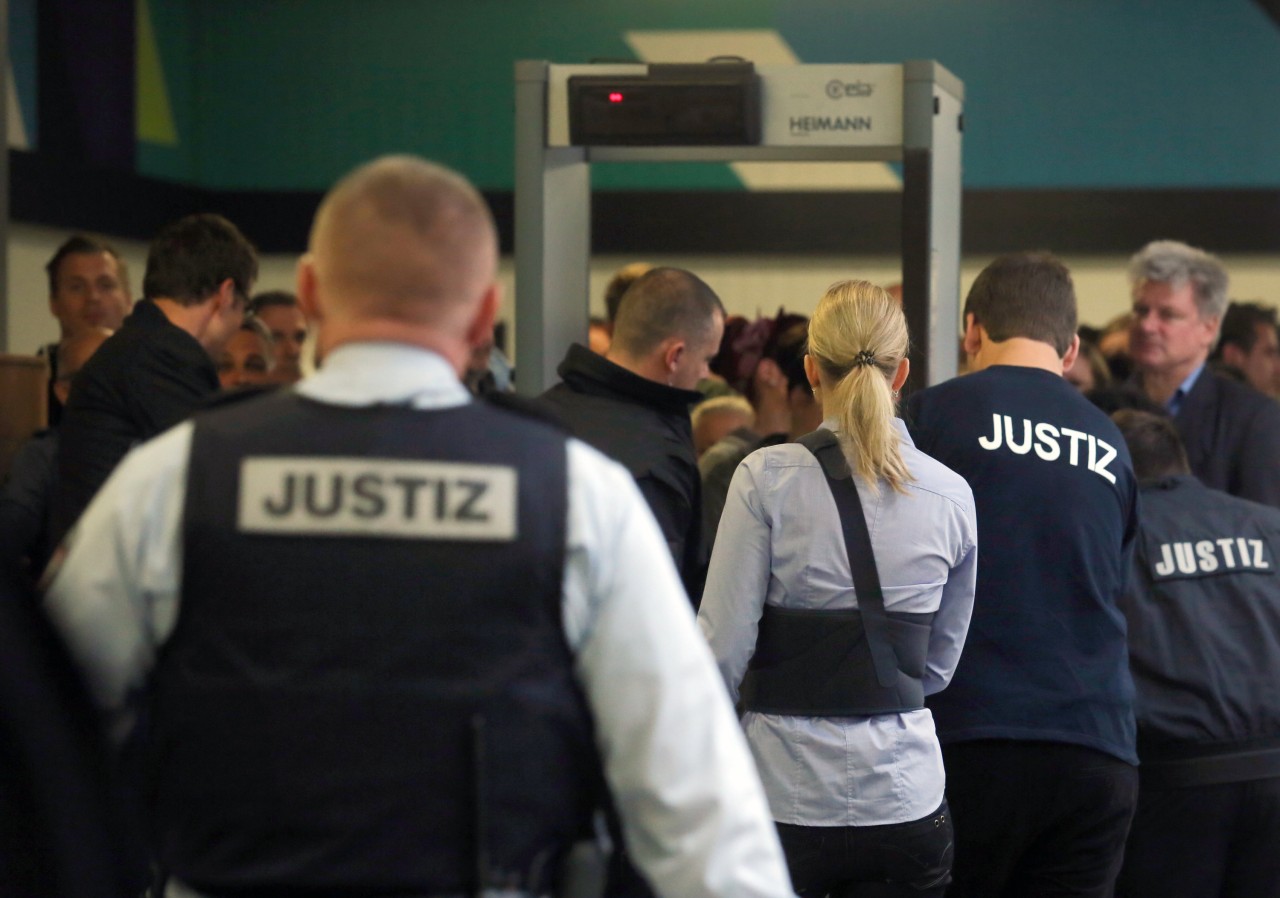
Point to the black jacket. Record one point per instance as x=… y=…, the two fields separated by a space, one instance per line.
x=644 y=425
x=1203 y=608
x=144 y=379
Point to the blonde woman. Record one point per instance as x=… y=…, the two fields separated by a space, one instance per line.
x=829 y=661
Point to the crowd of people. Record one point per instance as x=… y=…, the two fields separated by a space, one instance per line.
x=324 y=609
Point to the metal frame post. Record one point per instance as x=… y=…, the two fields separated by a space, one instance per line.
x=933 y=101
x=553 y=209
x=552 y=238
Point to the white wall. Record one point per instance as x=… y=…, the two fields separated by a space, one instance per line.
x=29 y=323
x=747 y=285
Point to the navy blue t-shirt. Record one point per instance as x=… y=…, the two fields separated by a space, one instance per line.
x=1056 y=497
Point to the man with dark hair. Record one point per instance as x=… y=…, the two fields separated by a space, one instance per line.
x=159 y=367
x=766 y=362
x=1037 y=726
x=396 y=638
x=88 y=286
x=88 y=289
x=1203 y=609
x=633 y=403
x=279 y=311
x=1248 y=346
x=1230 y=430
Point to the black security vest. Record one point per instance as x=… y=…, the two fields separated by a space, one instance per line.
x=850 y=662
x=366 y=713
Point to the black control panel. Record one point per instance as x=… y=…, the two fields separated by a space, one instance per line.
x=708 y=104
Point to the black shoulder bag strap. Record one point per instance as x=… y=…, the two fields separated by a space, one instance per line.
x=866 y=579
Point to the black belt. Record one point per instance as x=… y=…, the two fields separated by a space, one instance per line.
x=1208 y=770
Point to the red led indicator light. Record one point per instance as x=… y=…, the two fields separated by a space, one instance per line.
x=615 y=97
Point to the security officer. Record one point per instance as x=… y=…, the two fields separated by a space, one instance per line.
x=1203 y=607
x=391 y=634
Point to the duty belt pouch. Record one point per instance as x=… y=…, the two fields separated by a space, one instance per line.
x=839 y=663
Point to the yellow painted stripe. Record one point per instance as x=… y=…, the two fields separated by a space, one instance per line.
x=155 y=116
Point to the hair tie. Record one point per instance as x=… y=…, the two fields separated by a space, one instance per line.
x=865 y=357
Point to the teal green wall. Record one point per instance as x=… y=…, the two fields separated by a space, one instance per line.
x=288 y=94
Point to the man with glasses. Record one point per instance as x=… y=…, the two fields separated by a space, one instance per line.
x=159 y=367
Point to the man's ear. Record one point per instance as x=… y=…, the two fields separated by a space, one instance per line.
x=972 y=341
x=225 y=296
x=672 y=353
x=1069 y=357
x=480 y=330
x=306 y=278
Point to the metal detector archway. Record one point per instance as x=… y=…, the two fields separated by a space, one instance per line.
x=910 y=112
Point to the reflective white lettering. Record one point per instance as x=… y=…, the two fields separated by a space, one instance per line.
x=1108 y=454
x=1164 y=567
x=1208 y=558
x=1227 y=555
x=992 y=442
x=1018 y=448
x=389 y=498
x=1047 y=442
x=1185 y=558
x=1076 y=436
x=1258 y=560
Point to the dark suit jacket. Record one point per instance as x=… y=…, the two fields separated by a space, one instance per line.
x=145 y=378
x=1232 y=435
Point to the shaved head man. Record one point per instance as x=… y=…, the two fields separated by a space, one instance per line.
x=440 y=608
x=401 y=250
x=633 y=403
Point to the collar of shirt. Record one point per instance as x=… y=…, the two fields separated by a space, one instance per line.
x=1174 y=405
x=899 y=425
x=392 y=373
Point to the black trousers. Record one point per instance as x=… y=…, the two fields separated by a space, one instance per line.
x=1040 y=819
x=1220 y=841
x=896 y=860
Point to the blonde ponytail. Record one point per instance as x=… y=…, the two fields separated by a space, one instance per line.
x=858 y=336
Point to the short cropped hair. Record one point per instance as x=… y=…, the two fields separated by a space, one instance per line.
x=664 y=303
x=1172 y=262
x=270 y=299
x=723 y=405
x=1154 y=444
x=1240 y=326
x=83 y=244
x=1025 y=295
x=190 y=257
x=621 y=281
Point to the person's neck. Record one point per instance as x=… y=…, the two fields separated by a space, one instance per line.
x=333 y=334
x=1020 y=352
x=194 y=319
x=1159 y=386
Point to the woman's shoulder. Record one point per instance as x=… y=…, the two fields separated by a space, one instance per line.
x=932 y=476
x=781 y=455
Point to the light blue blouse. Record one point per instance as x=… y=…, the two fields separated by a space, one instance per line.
x=780 y=542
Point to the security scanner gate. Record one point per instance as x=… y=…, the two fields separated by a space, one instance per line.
x=570 y=116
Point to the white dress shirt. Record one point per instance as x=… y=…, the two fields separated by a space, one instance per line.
x=780 y=542
x=694 y=815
